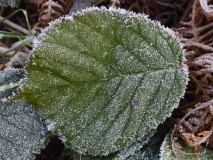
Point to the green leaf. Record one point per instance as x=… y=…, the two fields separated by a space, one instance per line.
x=151 y=150
x=104 y=78
x=22 y=134
x=11 y=3
x=8 y=81
x=167 y=153
x=119 y=155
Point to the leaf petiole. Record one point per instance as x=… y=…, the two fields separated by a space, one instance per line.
x=9 y=86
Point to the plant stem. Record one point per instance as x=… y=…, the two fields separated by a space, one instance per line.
x=25 y=15
x=9 y=86
x=15 y=26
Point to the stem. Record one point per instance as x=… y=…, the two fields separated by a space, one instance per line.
x=14 y=25
x=9 y=86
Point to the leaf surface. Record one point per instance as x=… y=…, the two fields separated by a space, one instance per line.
x=104 y=78
x=147 y=148
x=119 y=155
x=22 y=134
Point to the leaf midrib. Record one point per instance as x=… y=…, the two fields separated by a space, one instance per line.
x=57 y=74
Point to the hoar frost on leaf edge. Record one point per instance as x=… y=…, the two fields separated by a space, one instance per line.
x=38 y=41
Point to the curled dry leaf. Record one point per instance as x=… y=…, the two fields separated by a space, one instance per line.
x=195 y=123
x=208 y=11
x=195 y=130
x=50 y=10
x=196 y=141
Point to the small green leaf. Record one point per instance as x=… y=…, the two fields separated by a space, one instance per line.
x=103 y=79
x=22 y=134
x=9 y=78
x=167 y=153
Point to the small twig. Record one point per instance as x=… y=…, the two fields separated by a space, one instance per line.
x=169 y=5
x=2 y=50
x=186 y=14
x=15 y=26
x=190 y=43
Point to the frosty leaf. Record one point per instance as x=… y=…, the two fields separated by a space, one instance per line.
x=151 y=150
x=104 y=78
x=9 y=77
x=11 y=3
x=22 y=134
x=77 y=156
x=167 y=153
x=119 y=155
